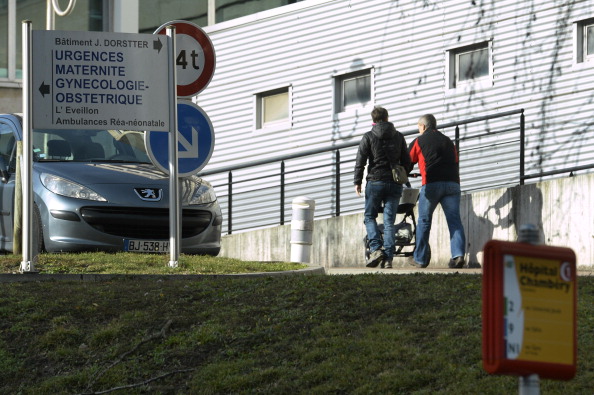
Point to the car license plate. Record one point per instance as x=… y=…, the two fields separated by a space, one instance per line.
x=146 y=245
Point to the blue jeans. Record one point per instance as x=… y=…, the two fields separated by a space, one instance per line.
x=389 y=193
x=448 y=195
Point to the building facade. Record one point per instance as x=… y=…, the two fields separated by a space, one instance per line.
x=300 y=75
x=307 y=75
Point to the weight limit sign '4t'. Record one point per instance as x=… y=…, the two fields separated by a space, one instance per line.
x=195 y=57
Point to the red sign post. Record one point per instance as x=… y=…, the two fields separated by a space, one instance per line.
x=529 y=310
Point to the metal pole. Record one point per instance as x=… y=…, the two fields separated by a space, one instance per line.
x=174 y=203
x=230 y=204
x=211 y=13
x=282 y=193
x=337 y=183
x=27 y=265
x=522 y=146
x=530 y=384
x=457 y=139
x=52 y=8
x=49 y=16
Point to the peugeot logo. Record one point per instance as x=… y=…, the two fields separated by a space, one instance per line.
x=149 y=194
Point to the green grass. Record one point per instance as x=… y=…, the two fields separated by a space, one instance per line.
x=131 y=263
x=363 y=334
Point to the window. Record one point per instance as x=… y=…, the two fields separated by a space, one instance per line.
x=589 y=41
x=585 y=40
x=273 y=108
x=353 y=90
x=469 y=64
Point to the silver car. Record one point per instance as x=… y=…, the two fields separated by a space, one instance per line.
x=97 y=190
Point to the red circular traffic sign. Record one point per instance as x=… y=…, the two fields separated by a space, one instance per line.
x=195 y=57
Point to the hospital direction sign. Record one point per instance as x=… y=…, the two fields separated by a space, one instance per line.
x=529 y=310
x=99 y=80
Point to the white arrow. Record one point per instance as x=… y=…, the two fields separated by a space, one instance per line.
x=190 y=147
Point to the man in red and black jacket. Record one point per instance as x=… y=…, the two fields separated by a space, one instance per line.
x=438 y=163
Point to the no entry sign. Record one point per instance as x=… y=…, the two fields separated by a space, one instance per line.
x=195 y=58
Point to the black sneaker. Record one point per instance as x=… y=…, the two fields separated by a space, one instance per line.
x=375 y=258
x=456 y=263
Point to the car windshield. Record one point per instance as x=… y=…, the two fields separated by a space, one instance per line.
x=89 y=146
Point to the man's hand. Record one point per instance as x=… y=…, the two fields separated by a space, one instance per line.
x=358 y=190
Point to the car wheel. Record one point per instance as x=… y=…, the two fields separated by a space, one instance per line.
x=214 y=252
x=37 y=245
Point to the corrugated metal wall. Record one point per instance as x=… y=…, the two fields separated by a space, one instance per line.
x=406 y=44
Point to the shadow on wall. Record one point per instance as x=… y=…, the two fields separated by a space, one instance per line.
x=502 y=219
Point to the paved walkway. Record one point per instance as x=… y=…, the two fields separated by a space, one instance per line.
x=399 y=270
x=411 y=270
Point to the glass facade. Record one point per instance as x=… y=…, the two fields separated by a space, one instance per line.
x=88 y=15
x=231 y=9
x=154 y=13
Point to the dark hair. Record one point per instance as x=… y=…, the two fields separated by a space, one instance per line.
x=379 y=114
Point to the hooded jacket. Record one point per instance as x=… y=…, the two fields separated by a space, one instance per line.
x=375 y=146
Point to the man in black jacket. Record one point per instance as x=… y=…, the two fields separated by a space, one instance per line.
x=438 y=163
x=383 y=146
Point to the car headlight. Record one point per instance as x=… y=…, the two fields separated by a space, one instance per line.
x=61 y=186
x=204 y=194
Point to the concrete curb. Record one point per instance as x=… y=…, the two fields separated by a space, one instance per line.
x=37 y=277
x=309 y=271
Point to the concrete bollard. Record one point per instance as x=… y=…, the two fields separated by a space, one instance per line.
x=302 y=229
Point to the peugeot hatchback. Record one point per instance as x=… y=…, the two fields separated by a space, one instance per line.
x=97 y=190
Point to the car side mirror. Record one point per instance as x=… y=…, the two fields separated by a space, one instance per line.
x=4 y=174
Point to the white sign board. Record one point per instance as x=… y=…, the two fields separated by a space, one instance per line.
x=99 y=80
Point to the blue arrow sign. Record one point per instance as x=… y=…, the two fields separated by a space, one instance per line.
x=195 y=141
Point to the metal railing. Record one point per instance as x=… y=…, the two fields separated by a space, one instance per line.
x=258 y=193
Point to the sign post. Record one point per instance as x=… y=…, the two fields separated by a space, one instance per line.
x=27 y=263
x=194 y=67
x=96 y=81
x=529 y=310
x=174 y=202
